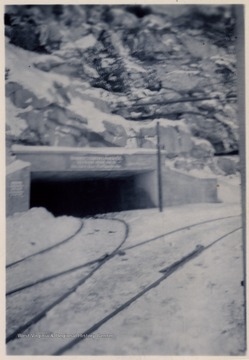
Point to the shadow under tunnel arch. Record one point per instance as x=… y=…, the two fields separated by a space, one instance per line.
x=87 y=196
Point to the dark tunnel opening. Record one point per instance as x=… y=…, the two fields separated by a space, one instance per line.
x=88 y=197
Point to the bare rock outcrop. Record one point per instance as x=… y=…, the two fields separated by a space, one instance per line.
x=101 y=75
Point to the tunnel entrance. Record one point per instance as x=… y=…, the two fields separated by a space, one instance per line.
x=87 y=181
x=82 y=197
x=83 y=181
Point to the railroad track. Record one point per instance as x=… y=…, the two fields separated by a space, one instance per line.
x=62 y=242
x=103 y=257
x=166 y=273
x=43 y=313
x=99 y=263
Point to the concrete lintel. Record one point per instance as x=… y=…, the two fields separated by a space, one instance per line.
x=23 y=149
x=87 y=159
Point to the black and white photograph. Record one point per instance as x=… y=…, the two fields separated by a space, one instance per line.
x=125 y=179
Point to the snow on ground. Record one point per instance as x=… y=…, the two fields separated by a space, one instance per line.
x=198 y=310
x=35 y=230
x=229 y=190
x=86 y=246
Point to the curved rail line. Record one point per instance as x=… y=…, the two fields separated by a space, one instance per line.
x=48 y=248
x=42 y=313
x=166 y=273
x=53 y=276
x=177 y=230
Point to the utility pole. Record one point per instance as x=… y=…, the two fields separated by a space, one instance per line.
x=159 y=169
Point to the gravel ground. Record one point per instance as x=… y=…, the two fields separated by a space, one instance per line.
x=198 y=310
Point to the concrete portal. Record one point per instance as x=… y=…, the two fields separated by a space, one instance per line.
x=88 y=181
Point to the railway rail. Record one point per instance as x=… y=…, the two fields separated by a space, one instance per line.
x=166 y=273
x=43 y=313
x=99 y=259
x=64 y=241
x=99 y=262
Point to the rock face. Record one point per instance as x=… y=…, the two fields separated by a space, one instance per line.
x=93 y=75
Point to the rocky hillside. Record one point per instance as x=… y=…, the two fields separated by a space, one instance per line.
x=93 y=75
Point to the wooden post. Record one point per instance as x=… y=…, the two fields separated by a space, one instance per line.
x=159 y=170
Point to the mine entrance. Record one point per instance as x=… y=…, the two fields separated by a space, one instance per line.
x=88 y=181
x=76 y=196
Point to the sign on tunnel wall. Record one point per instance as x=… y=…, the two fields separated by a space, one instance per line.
x=17 y=187
x=86 y=162
x=61 y=159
